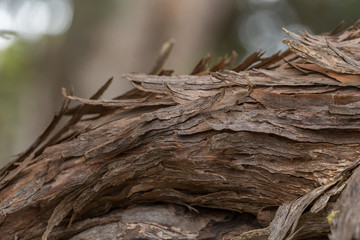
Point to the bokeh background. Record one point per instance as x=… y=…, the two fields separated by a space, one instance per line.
x=80 y=44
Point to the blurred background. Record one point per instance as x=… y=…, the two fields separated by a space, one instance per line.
x=82 y=43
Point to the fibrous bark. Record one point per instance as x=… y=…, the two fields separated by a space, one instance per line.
x=259 y=151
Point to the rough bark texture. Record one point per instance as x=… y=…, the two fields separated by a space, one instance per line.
x=262 y=151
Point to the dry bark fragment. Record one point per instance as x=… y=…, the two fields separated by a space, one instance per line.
x=346 y=223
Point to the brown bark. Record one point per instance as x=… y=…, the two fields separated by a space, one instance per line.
x=262 y=151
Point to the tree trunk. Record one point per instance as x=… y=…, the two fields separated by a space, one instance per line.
x=266 y=150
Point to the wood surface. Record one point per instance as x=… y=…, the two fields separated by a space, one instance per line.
x=266 y=149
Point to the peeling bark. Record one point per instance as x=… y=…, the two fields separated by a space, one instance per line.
x=260 y=152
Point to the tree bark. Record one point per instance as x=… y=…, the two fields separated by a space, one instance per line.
x=262 y=150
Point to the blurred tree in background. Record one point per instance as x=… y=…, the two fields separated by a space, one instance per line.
x=79 y=44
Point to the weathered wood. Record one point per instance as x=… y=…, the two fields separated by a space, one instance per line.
x=277 y=142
